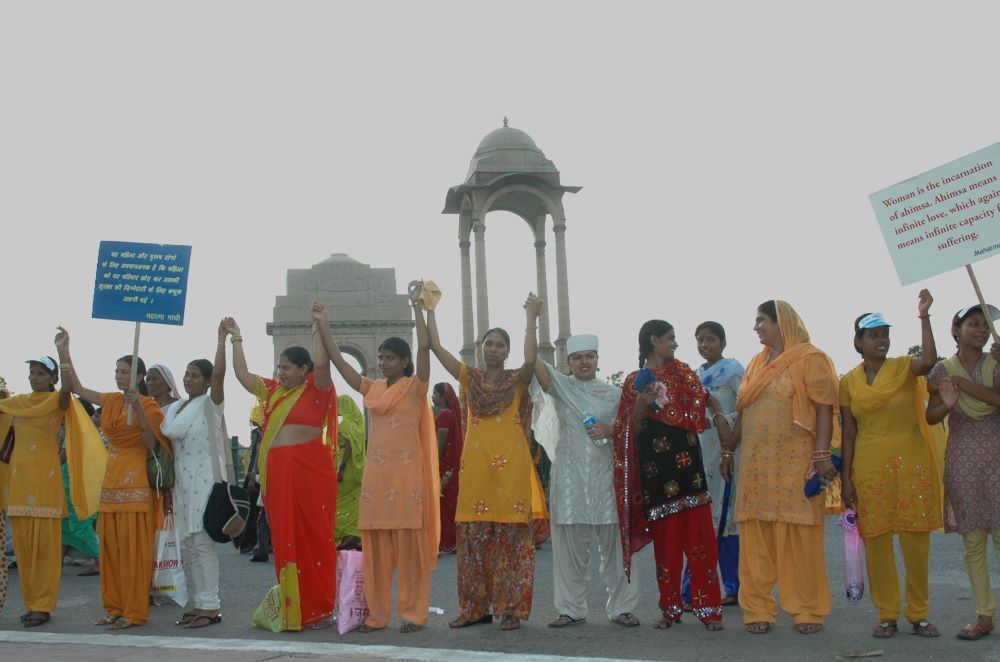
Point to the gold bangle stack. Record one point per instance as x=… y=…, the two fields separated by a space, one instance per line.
x=233 y=339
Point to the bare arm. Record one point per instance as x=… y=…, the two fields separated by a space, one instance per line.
x=219 y=367
x=321 y=358
x=533 y=308
x=444 y=357
x=928 y=350
x=542 y=375
x=346 y=370
x=423 y=336
x=943 y=397
x=824 y=435
x=442 y=436
x=69 y=374
x=148 y=436
x=246 y=378
x=978 y=391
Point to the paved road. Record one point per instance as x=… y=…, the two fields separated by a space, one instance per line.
x=70 y=635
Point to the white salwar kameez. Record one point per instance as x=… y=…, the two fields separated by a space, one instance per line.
x=581 y=493
x=195 y=431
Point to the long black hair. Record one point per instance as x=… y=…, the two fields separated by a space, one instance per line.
x=400 y=348
x=651 y=328
x=140 y=372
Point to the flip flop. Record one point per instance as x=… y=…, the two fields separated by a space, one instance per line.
x=107 y=619
x=563 y=620
x=758 y=627
x=122 y=623
x=89 y=572
x=409 y=627
x=202 y=621
x=464 y=622
x=626 y=619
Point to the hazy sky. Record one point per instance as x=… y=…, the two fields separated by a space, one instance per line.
x=726 y=152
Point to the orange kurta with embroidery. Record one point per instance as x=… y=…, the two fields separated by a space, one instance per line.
x=35 y=477
x=126 y=487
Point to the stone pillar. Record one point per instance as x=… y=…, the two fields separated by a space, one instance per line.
x=482 y=297
x=562 y=291
x=545 y=349
x=468 y=352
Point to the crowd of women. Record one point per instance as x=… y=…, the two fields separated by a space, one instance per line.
x=709 y=465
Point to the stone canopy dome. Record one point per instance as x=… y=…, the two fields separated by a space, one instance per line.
x=507 y=151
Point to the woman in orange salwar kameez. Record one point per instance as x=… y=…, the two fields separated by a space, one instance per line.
x=126 y=526
x=298 y=477
x=398 y=514
x=786 y=427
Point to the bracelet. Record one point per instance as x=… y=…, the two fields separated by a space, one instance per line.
x=65 y=365
x=726 y=454
x=923 y=317
x=222 y=343
x=530 y=328
x=235 y=339
x=718 y=413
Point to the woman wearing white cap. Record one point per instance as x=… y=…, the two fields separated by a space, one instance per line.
x=575 y=424
x=890 y=471
x=965 y=388
x=37 y=503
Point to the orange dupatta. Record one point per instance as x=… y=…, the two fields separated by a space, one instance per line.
x=760 y=372
x=382 y=398
x=822 y=382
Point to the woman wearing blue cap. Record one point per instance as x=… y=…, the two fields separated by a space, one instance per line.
x=890 y=473
x=966 y=391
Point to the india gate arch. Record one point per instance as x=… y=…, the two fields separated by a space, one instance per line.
x=510 y=173
x=363 y=307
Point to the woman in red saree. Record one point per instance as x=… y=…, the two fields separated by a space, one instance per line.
x=450 y=436
x=660 y=481
x=298 y=477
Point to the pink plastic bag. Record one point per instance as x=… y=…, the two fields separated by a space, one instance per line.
x=353 y=608
x=854 y=556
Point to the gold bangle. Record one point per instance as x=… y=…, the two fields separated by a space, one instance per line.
x=235 y=339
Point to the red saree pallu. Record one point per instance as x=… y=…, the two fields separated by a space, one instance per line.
x=301 y=503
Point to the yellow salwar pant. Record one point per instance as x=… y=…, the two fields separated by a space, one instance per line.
x=790 y=555
x=880 y=559
x=126 y=563
x=38 y=547
x=978 y=568
x=384 y=551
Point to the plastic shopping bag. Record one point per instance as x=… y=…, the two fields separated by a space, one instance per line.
x=854 y=556
x=353 y=609
x=169 y=582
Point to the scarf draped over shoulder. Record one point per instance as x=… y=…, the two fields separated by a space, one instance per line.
x=382 y=399
x=814 y=378
x=86 y=456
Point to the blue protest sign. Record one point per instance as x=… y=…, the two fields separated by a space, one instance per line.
x=141 y=282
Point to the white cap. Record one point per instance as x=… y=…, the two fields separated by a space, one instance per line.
x=46 y=361
x=581 y=343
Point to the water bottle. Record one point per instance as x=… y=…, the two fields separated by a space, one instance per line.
x=589 y=422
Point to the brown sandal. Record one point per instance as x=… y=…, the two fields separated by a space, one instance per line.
x=758 y=627
x=885 y=630
x=925 y=629
x=465 y=622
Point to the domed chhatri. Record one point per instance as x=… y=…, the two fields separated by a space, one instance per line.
x=508 y=172
x=508 y=151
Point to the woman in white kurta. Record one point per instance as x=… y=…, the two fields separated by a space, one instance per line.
x=581 y=490
x=195 y=426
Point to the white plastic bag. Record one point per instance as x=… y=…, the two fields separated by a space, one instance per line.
x=353 y=607
x=169 y=582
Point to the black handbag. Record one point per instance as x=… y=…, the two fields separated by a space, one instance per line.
x=228 y=507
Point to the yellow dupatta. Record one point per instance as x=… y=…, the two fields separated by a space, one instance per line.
x=277 y=406
x=86 y=456
x=973 y=407
x=381 y=399
x=892 y=376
